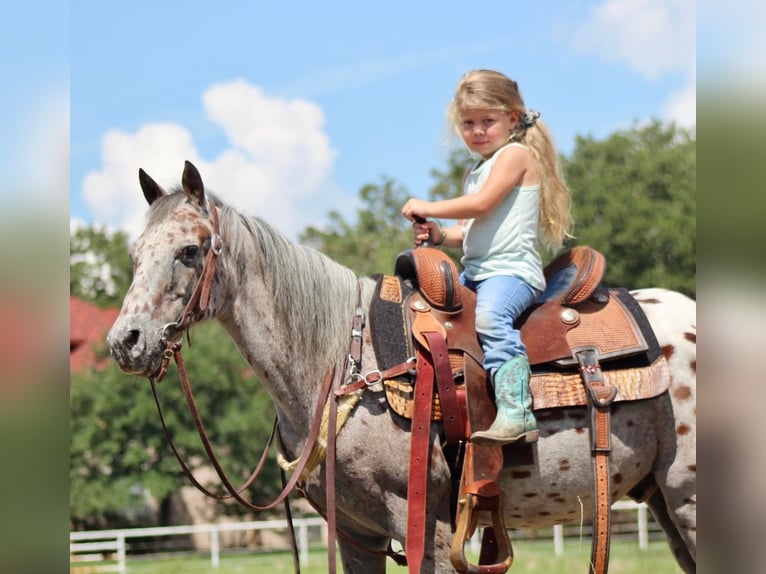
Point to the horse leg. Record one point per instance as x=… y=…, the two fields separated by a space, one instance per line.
x=364 y=555
x=678 y=545
x=439 y=557
x=675 y=503
x=673 y=318
x=367 y=556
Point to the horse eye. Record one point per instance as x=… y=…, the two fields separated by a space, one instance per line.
x=188 y=254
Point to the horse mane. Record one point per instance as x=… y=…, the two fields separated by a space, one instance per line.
x=301 y=280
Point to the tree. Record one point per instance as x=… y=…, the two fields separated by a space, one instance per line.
x=449 y=183
x=371 y=243
x=118 y=452
x=634 y=199
x=99 y=266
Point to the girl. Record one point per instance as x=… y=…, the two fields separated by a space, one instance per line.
x=512 y=197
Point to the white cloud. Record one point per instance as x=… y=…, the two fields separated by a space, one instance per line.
x=278 y=157
x=112 y=194
x=651 y=37
x=681 y=106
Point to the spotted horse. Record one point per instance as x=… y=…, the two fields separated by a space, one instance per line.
x=297 y=317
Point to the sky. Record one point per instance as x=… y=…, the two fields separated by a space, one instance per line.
x=288 y=109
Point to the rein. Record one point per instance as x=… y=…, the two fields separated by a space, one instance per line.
x=198 y=302
x=233 y=491
x=331 y=390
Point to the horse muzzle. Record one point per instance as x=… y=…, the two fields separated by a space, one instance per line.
x=134 y=354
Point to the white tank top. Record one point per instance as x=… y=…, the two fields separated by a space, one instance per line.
x=503 y=242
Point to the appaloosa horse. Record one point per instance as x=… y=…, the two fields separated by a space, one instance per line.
x=289 y=309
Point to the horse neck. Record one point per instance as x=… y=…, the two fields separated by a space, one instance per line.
x=292 y=329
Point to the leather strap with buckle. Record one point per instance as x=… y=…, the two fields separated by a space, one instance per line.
x=599 y=408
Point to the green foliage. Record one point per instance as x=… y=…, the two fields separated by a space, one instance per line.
x=99 y=266
x=371 y=243
x=118 y=451
x=634 y=199
x=449 y=183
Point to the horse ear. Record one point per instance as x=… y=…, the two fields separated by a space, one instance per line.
x=192 y=184
x=151 y=188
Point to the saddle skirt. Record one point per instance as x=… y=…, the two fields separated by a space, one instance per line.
x=573 y=313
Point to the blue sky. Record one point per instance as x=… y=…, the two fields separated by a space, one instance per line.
x=288 y=109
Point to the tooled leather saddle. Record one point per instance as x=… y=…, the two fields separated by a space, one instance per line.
x=586 y=344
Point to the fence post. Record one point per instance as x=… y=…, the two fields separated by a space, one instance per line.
x=643 y=528
x=558 y=539
x=214 y=547
x=121 y=553
x=303 y=543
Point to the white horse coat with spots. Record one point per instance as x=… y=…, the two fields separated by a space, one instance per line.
x=288 y=309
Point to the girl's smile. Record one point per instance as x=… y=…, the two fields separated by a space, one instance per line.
x=486 y=130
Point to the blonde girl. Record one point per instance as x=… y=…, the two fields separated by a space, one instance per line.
x=514 y=199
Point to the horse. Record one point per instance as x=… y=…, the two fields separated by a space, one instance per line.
x=288 y=308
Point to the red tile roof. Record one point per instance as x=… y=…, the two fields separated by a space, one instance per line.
x=88 y=326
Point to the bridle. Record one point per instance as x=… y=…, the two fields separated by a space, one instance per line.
x=347 y=368
x=199 y=299
x=198 y=303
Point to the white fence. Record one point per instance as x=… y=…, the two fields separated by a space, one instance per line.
x=114 y=540
x=97 y=543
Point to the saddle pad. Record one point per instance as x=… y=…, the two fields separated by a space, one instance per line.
x=389 y=322
x=566 y=389
x=556 y=389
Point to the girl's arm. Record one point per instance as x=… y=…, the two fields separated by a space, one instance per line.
x=512 y=168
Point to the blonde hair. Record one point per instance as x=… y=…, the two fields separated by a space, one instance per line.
x=487 y=89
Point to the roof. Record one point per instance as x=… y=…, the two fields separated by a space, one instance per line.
x=88 y=326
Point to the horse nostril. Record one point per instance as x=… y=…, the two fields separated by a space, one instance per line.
x=131 y=338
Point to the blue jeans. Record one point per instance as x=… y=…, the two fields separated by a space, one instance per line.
x=500 y=300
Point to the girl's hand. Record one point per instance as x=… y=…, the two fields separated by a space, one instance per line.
x=415 y=208
x=424 y=231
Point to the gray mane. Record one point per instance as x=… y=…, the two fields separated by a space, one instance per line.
x=314 y=296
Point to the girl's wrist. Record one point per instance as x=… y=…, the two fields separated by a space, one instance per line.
x=442 y=238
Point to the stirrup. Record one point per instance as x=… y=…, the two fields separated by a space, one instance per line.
x=469 y=506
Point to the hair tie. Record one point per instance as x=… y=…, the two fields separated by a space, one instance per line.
x=529 y=117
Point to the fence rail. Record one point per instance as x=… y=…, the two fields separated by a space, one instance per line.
x=114 y=541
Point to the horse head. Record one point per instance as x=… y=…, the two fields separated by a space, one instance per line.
x=170 y=264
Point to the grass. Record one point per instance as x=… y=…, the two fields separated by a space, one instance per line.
x=530 y=557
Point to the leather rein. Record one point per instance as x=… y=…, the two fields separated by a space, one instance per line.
x=330 y=390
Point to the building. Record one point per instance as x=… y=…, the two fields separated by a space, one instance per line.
x=88 y=326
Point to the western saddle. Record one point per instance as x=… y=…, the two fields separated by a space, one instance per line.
x=571 y=329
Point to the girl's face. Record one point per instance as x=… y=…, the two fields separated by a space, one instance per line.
x=485 y=131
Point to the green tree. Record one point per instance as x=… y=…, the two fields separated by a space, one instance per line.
x=449 y=183
x=99 y=266
x=118 y=451
x=371 y=243
x=634 y=199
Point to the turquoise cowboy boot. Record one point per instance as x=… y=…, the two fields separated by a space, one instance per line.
x=515 y=422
